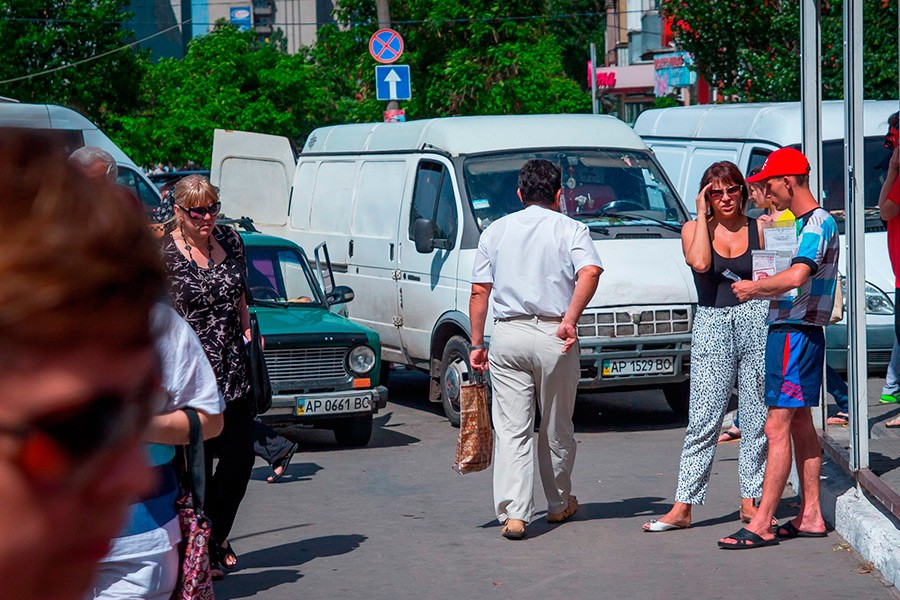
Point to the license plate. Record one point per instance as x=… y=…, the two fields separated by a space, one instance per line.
x=333 y=406
x=661 y=365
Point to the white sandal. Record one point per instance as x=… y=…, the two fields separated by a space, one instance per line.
x=657 y=526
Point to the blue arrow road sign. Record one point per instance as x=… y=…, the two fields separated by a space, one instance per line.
x=392 y=82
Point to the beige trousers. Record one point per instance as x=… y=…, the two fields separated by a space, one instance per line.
x=528 y=367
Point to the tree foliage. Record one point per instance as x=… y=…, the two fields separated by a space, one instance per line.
x=39 y=35
x=750 y=49
x=230 y=80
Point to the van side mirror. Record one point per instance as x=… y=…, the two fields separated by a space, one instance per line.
x=340 y=295
x=423 y=233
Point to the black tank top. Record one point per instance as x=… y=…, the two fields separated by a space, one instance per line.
x=714 y=289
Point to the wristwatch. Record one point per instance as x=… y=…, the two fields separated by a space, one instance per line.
x=478 y=347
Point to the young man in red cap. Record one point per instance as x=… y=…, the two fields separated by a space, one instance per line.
x=889 y=207
x=795 y=352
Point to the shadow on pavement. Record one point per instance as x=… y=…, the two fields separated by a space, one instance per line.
x=319 y=440
x=296 y=471
x=242 y=584
x=267 y=532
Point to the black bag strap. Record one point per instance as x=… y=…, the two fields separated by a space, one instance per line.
x=219 y=234
x=196 y=461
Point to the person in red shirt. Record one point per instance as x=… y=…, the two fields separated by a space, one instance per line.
x=889 y=207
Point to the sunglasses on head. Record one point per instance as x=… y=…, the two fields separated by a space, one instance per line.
x=198 y=212
x=53 y=446
x=718 y=194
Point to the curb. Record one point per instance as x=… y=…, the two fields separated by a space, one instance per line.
x=855 y=518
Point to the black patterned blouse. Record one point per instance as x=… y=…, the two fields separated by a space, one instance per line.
x=210 y=301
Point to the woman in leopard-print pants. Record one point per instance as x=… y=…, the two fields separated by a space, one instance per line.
x=728 y=344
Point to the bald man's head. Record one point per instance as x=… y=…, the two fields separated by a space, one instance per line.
x=96 y=163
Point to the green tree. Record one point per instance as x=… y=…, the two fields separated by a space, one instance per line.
x=39 y=35
x=751 y=50
x=230 y=80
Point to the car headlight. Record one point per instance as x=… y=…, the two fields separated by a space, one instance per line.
x=361 y=360
x=877 y=302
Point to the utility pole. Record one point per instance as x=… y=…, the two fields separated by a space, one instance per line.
x=384 y=13
x=383 y=8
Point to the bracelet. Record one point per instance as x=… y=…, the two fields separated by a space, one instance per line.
x=478 y=347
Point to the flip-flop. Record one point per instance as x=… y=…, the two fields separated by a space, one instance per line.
x=893 y=424
x=728 y=436
x=283 y=463
x=658 y=526
x=746 y=539
x=789 y=531
x=840 y=418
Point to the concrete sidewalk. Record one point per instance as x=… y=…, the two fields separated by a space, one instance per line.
x=393 y=521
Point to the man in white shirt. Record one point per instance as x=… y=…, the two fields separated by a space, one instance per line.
x=543 y=269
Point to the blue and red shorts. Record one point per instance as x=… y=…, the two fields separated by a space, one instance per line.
x=795 y=357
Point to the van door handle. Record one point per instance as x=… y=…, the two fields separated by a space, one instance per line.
x=392 y=252
x=414 y=278
x=350 y=248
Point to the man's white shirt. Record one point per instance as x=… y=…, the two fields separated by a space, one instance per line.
x=531 y=257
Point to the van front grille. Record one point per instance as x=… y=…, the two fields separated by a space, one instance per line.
x=305 y=365
x=635 y=322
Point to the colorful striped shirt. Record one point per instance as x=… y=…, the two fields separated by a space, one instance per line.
x=818 y=247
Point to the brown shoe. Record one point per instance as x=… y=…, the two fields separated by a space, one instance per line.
x=513 y=529
x=559 y=517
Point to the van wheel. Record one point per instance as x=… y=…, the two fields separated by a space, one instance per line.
x=455 y=373
x=353 y=431
x=678 y=395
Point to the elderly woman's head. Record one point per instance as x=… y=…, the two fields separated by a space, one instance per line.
x=728 y=194
x=197 y=202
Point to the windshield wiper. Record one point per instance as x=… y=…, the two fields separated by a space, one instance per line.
x=631 y=217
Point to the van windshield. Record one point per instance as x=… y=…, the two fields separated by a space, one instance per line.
x=597 y=185
x=875 y=161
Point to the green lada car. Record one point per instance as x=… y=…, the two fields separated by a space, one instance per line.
x=324 y=368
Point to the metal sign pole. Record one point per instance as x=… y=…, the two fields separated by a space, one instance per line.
x=854 y=210
x=594 y=79
x=811 y=117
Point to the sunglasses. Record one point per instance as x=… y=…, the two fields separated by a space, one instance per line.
x=54 y=447
x=718 y=194
x=198 y=212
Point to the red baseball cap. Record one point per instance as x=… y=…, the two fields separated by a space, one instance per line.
x=784 y=161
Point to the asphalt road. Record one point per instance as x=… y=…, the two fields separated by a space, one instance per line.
x=393 y=521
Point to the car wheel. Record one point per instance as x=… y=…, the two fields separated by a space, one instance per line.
x=455 y=373
x=353 y=431
x=678 y=395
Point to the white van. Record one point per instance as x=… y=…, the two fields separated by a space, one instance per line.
x=402 y=205
x=73 y=131
x=686 y=140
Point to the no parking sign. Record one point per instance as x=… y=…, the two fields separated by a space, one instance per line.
x=386 y=46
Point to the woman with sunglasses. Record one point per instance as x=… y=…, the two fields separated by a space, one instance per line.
x=728 y=343
x=207 y=266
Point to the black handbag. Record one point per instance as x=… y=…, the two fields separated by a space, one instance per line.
x=257 y=371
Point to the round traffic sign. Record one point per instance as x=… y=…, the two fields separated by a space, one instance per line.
x=386 y=45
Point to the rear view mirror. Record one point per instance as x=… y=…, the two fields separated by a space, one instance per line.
x=340 y=295
x=424 y=232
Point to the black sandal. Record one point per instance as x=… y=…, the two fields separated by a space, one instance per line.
x=745 y=539
x=789 y=531
x=219 y=557
x=283 y=463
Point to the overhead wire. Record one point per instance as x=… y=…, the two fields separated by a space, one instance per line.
x=91 y=58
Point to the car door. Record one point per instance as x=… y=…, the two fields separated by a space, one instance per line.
x=428 y=280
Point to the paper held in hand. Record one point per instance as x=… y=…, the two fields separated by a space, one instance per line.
x=780 y=238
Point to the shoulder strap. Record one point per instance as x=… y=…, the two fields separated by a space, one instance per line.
x=220 y=233
x=196 y=466
x=753 y=233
